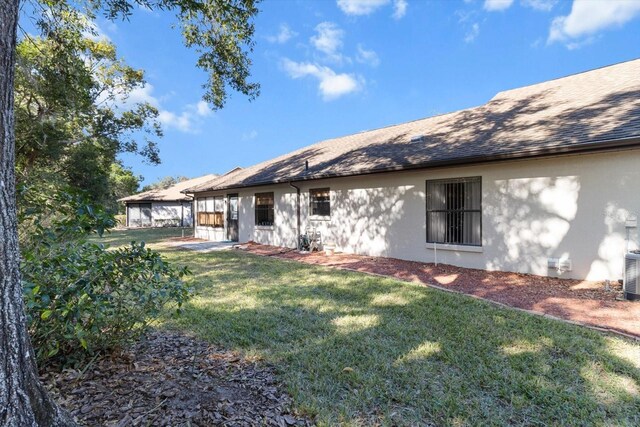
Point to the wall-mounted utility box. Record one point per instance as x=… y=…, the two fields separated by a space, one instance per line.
x=562 y=264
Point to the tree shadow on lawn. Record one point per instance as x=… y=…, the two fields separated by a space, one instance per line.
x=115 y=238
x=359 y=349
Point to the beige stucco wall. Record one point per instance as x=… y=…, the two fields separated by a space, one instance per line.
x=572 y=207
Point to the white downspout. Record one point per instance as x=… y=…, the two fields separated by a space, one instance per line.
x=435 y=254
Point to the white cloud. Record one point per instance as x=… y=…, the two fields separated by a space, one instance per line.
x=185 y=121
x=188 y=120
x=182 y=122
x=578 y=44
x=472 y=33
x=537 y=43
x=494 y=5
x=365 y=56
x=95 y=32
x=589 y=17
x=247 y=136
x=542 y=5
x=465 y=16
x=367 y=7
x=112 y=27
x=284 y=35
x=360 y=7
x=331 y=85
x=399 y=9
x=202 y=108
x=138 y=95
x=468 y=21
x=328 y=40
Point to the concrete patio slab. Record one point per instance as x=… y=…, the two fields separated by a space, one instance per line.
x=201 y=245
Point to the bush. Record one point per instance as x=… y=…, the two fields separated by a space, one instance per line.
x=121 y=220
x=82 y=298
x=48 y=214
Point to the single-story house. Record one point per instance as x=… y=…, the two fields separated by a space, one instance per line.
x=542 y=179
x=168 y=207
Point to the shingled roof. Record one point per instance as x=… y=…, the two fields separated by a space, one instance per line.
x=171 y=194
x=593 y=110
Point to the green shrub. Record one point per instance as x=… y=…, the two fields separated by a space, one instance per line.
x=48 y=214
x=121 y=220
x=82 y=298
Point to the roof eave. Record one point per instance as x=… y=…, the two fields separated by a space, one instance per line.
x=584 y=148
x=182 y=199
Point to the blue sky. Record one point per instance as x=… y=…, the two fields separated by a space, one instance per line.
x=330 y=68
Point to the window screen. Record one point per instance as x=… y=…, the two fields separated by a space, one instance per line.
x=211 y=211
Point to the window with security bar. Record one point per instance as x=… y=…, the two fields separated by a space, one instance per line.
x=264 y=209
x=454 y=211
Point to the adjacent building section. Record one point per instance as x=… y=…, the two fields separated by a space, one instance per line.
x=163 y=208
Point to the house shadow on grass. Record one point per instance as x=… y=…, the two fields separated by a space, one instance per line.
x=366 y=350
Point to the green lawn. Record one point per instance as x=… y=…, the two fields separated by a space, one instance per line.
x=148 y=235
x=360 y=350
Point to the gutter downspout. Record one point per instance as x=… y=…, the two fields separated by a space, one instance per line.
x=297 y=212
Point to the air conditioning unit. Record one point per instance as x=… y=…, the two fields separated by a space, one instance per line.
x=632 y=276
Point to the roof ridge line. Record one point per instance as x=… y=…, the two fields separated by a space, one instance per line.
x=577 y=73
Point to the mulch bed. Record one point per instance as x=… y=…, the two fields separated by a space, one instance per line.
x=585 y=302
x=170 y=379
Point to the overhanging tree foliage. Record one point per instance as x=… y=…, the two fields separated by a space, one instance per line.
x=165 y=182
x=123 y=183
x=221 y=31
x=72 y=114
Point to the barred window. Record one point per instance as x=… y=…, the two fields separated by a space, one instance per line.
x=264 y=208
x=211 y=211
x=454 y=211
x=320 y=202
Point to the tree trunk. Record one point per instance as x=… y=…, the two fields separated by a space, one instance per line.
x=23 y=399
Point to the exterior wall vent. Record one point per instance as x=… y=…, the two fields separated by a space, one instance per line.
x=560 y=264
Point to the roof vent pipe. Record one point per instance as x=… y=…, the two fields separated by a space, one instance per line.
x=306 y=165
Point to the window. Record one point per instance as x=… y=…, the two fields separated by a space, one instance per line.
x=320 y=202
x=139 y=214
x=264 y=208
x=211 y=211
x=454 y=211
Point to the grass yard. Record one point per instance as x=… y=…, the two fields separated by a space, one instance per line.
x=148 y=235
x=355 y=349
